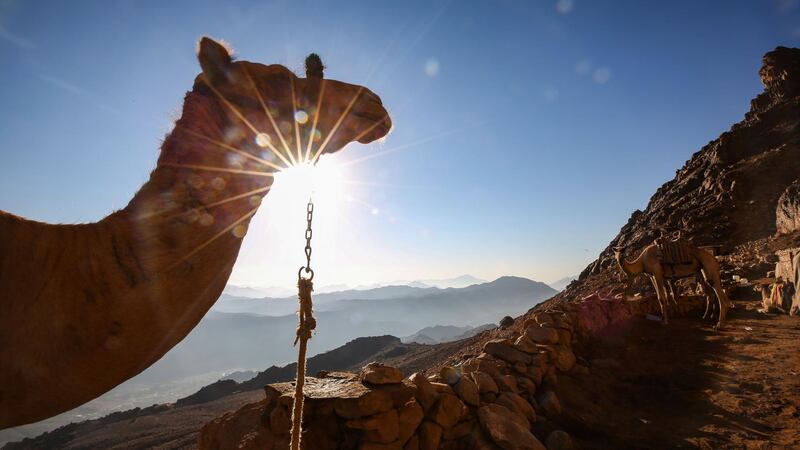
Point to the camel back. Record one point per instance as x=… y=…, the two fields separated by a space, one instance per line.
x=674 y=252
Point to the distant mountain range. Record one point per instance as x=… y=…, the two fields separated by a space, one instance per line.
x=249 y=334
x=445 y=333
x=281 y=292
x=562 y=283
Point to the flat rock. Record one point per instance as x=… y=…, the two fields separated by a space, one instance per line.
x=382 y=428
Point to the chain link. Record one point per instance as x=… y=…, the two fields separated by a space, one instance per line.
x=309 y=234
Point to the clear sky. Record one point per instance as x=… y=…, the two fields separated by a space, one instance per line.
x=526 y=132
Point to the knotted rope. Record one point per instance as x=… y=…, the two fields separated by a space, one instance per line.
x=305 y=326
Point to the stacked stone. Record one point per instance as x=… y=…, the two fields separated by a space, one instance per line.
x=503 y=398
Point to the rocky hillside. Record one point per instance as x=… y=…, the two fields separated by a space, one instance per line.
x=735 y=193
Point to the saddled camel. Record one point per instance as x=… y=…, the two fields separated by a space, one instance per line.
x=85 y=307
x=699 y=263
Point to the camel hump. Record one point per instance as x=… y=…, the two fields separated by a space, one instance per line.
x=675 y=252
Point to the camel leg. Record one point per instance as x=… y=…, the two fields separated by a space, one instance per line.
x=708 y=293
x=722 y=298
x=672 y=296
x=661 y=294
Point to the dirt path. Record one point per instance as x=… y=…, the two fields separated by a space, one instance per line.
x=687 y=386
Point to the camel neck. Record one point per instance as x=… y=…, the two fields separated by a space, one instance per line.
x=205 y=188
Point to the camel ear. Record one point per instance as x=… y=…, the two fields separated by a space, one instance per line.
x=215 y=59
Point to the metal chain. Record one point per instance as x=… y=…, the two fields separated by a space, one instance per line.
x=309 y=234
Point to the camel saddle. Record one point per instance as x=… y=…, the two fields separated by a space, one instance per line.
x=676 y=252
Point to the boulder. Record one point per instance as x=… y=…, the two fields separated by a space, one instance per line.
x=409 y=417
x=507 y=429
x=460 y=430
x=442 y=388
x=525 y=384
x=430 y=435
x=564 y=336
x=507 y=383
x=365 y=445
x=536 y=374
x=377 y=373
x=413 y=443
x=506 y=322
x=504 y=349
x=449 y=375
x=515 y=403
x=382 y=428
x=485 y=383
x=559 y=440
x=426 y=394
x=564 y=358
x=481 y=365
x=447 y=411
x=549 y=404
x=467 y=391
x=542 y=335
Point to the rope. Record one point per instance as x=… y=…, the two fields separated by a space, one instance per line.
x=305 y=326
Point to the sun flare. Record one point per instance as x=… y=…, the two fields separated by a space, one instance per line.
x=324 y=182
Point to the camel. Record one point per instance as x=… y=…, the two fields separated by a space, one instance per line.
x=701 y=264
x=85 y=307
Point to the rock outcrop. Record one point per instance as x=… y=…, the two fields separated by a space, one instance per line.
x=787 y=217
x=726 y=194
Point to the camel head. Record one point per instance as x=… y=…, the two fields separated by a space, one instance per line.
x=268 y=108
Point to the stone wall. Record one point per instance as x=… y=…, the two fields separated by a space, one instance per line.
x=502 y=398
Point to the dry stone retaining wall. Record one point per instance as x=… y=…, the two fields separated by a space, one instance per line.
x=503 y=398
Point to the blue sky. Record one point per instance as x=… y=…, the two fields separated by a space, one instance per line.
x=526 y=132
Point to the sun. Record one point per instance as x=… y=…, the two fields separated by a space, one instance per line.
x=323 y=182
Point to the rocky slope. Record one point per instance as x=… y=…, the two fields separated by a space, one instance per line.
x=735 y=193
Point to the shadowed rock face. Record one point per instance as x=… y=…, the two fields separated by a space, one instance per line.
x=787 y=218
x=727 y=193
